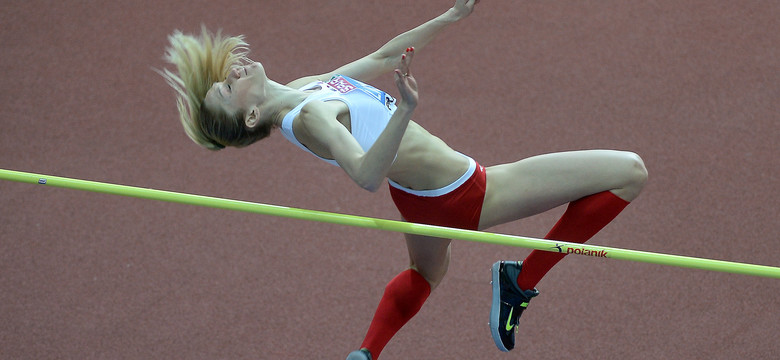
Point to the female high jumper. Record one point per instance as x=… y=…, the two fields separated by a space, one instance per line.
x=224 y=99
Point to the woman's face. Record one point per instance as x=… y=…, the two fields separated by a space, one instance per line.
x=243 y=89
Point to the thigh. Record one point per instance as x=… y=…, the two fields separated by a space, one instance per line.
x=430 y=256
x=540 y=183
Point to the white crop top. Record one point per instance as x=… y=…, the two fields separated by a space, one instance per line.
x=369 y=109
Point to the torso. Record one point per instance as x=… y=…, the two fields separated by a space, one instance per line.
x=426 y=162
x=423 y=161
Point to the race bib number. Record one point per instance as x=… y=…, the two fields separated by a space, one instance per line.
x=344 y=85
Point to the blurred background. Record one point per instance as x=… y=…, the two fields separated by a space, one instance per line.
x=692 y=86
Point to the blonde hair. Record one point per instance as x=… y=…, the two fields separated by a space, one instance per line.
x=200 y=62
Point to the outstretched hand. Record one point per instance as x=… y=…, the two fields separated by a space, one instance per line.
x=463 y=8
x=407 y=85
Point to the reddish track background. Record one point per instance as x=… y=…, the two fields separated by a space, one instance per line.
x=692 y=86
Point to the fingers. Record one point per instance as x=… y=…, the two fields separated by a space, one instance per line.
x=399 y=78
x=406 y=60
x=465 y=7
x=403 y=78
x=407 y=87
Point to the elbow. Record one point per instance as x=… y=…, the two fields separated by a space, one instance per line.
x=371 y=186
x=374 y=188
x=366 y=180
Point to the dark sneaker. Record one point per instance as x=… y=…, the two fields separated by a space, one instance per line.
x=361 y=354
x=508 y=303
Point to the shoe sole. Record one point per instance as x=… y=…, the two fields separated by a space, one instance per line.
x=495 y=307
x=358 y=355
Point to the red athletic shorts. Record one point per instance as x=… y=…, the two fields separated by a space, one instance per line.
x=457 y=205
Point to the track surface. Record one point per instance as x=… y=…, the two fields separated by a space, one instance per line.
x=692 y=86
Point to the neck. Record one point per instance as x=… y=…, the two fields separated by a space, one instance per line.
x=281 y=99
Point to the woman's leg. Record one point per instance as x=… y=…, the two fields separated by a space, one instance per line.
x=597 y=184
x=406 y=293
x=540 y=183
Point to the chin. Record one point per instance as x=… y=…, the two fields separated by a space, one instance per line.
x=256 y=68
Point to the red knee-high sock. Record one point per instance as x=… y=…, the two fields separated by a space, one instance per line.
x=403 y=298
x=582 y=219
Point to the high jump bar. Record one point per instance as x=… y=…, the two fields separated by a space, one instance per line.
x=396 y=226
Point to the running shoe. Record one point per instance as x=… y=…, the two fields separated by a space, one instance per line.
x=509 y=302
x=361 y=354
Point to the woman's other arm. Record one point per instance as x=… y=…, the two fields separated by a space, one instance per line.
x=370 y=168
x=385 y=59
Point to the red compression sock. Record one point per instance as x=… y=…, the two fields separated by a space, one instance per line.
x=582 y=219
x=403 y=298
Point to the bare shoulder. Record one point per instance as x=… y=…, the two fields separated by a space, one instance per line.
x=316 y=110
x=318 y=116
x=317 y=127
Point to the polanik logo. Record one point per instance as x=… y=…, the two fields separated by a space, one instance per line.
x=579 y=251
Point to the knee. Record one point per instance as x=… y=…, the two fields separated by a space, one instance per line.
x=639 y=170
x=635 y=176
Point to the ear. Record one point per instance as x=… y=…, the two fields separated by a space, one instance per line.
x=252 y=117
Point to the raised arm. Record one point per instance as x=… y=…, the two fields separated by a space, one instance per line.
x=368 y=169
x=385 y=59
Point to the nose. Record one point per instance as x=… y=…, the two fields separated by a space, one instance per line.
x=232 y=75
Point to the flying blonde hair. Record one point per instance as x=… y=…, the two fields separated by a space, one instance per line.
x=200 y=62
